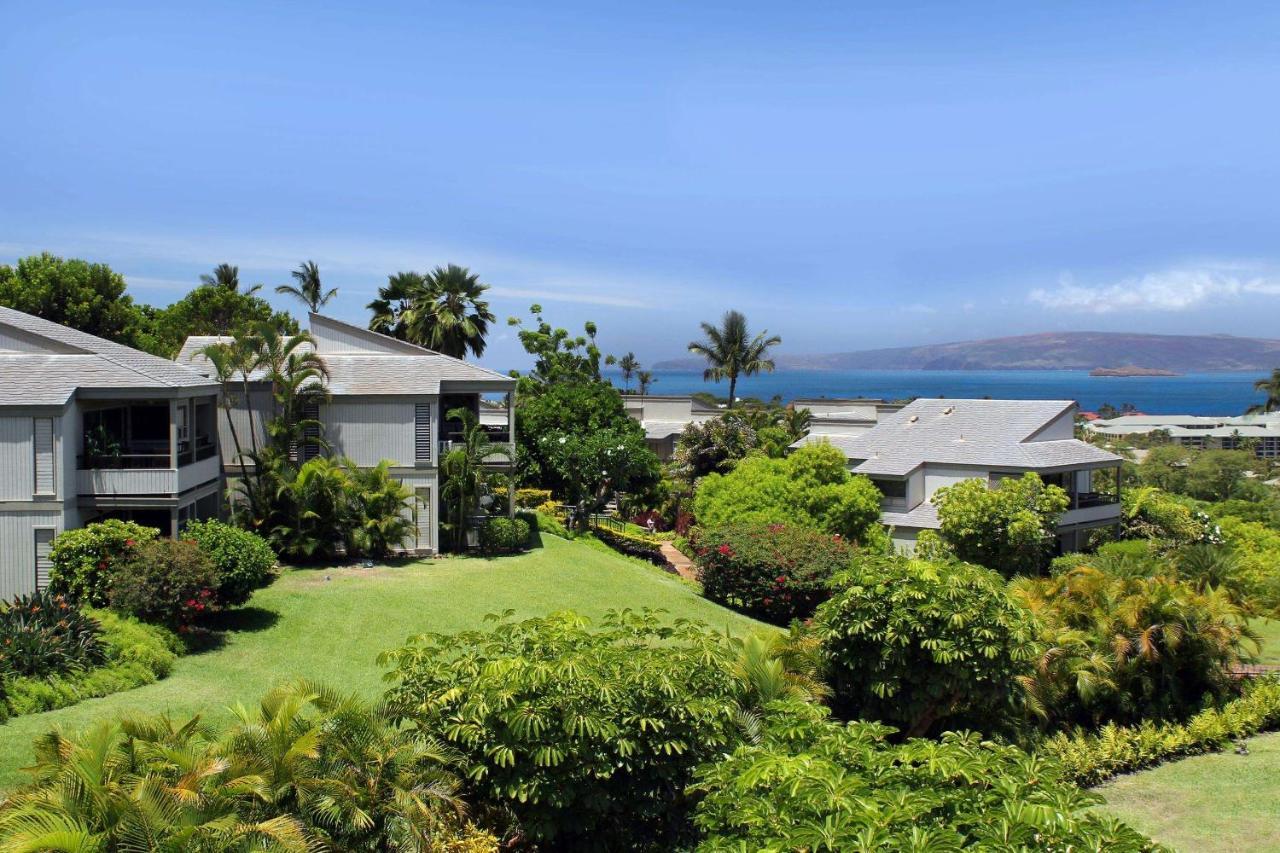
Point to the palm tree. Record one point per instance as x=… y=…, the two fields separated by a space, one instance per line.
x=226 y=360
x=1271 y=387
x=628 y=364
x=464 y=467
x=731 y=351
x=645 y=377
x=308 y=290
x=228 y=276
x=442 y=310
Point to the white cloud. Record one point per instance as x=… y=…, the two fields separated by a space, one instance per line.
x=1174 y=289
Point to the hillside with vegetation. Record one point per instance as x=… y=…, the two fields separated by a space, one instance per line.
x=1048 y=351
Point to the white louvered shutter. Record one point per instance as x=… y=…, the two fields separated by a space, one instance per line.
x=42 y=441
x=44 y=541
x=422 y=433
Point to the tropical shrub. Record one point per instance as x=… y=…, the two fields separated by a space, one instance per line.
x=504 y=535
x=532 y=498
x=382 y=520
x=713 y=446
x=812 y=784
x=1010 y=528
x=549 y=522
x=307 y=769
x=923 y=645
x=44 y=634
x=1091 y=757
x=773 y=572
x=1256 y=548
x=243 y=560
x=588 y=734
x=81 y=560
x=169 y=582
x=134 y=654
x=1129 y=648
x=810 y=488
x=1149 y=513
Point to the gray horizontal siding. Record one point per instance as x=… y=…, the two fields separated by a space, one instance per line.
x=369 y=431
x=18 y=549
x=17 y=475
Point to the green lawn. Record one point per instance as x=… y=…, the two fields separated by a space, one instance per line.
x=1269 y=631
x=1219 y=802
x=330 y=624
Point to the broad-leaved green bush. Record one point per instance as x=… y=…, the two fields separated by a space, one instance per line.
x=588 y=733
x=82 y=560
x=811 y=488
x=923 y=646
x=813 y=784
x=774 y=572
x=244 y=561
x=1010 y=528
x=504 y=535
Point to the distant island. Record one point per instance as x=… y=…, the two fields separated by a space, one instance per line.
x=1047 y=351
x=1132 y=370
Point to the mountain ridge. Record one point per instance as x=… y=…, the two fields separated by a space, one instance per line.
x=1046 y=351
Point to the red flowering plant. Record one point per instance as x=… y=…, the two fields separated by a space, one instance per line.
x=85 y=559
x=773 y=572
x=169 y=582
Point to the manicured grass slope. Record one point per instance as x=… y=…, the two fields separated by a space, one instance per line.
x=333 y=630
x=1269 y=632
x=1220 y=802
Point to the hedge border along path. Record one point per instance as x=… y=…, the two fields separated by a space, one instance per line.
x=1091 y=759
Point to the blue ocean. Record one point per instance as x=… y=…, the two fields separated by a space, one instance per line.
x=1191 y=394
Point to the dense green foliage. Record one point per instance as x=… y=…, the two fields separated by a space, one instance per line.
x=1093 y=757
x=589 y=734
x=810 y=488
x=217 y=307
x=244 y=561
x=45 y=634
x=565 y=430
x=923 y=646
x=1149 y=513
x=85 y=296
x=169 y=582
x=134 y=654
x=503 y=535
x=772 y=572
x=1208 y=475
x=712 y=447
x=815 y=785
x=465 y=472
x=307 y=769
x=443 y=310
x=1129 y=648
x=1010 y=528
x=82 y=560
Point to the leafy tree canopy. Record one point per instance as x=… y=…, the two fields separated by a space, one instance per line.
x=558 y=356
x=589 y=734
x=83 y=295
x=921 y=645
x=811 y=487
x=443 y=310
x=1009 y=528
x=219 y=308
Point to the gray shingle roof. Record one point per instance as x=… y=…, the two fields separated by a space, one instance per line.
x=982 y=433
x=924 y=515
x=410 y=370
x=86 y=361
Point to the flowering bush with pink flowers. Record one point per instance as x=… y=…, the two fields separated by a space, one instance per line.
x=774 y=572
x=168 y=582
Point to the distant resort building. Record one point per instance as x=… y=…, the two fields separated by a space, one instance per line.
x=664 y=417
x=1261 y=432
x=911 y=451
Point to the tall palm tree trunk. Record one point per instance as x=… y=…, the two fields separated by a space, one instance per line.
x=733 y=388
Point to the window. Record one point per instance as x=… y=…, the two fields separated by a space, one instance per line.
x=42 y=442
x=422 y=433
x=892 y=489
x=43 y=543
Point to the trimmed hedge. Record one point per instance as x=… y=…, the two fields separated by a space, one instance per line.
x=1091 y=758
x=632 y=544
x=137 y=654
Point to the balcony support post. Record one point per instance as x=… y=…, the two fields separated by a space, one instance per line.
x=511 y=442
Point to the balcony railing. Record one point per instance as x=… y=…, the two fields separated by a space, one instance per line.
x=122 y=461
x=1082 y=500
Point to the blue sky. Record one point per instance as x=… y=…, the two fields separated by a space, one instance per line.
x=849 y=175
